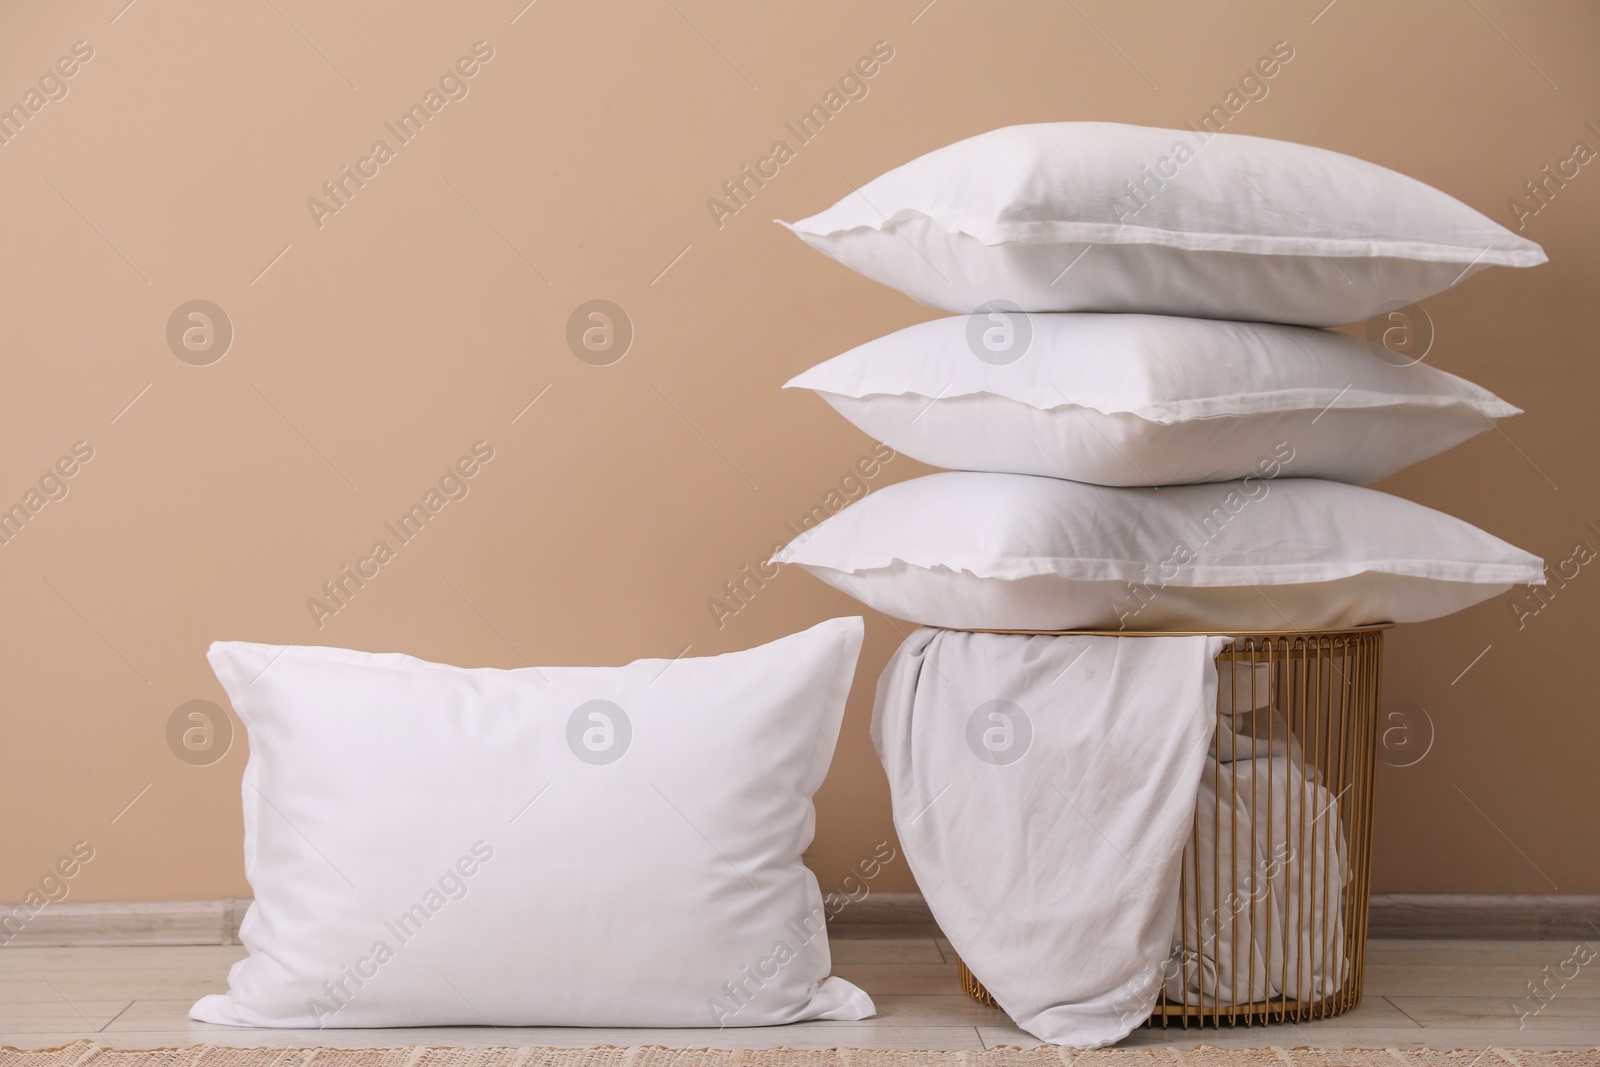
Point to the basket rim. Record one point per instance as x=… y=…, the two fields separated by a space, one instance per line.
x=1290 y=634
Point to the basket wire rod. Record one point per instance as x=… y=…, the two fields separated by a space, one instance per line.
x=1292 y=735
x=1326 y=827
x=1308 y=859
x=1311 y=760
x=1331 y=923
x=1325 y=925
x=1282 y=690
x=1370 y=773
x=1233 y=848
x=1183 y=940
x=1256 y=874
x=1354 y=816
x=1332 y=965
x=1216 y=878
x=1194 y=864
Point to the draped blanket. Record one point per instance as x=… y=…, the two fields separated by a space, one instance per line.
x=1044 y=789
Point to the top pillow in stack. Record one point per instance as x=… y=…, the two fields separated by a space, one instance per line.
x=1101 y=216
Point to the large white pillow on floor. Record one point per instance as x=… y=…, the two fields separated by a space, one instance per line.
x=1148 y=399
x=556 y=846
x=1018 y=552
x=1101 y=216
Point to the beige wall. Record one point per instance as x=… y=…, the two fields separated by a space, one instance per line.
x=423 y=316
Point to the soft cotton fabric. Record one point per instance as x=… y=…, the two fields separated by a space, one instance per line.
x=1148 y=399
x=1018 y=552
x=1043 y=790
x=1101 y=216
x=560 y=846
x=1271 y=859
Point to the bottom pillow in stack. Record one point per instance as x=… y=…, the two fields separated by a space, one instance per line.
x=969 y=550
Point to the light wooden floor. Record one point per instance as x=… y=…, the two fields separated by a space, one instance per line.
x=1443 y=994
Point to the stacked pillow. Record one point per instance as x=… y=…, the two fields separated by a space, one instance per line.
x=1121 y=442
x=1099 y=216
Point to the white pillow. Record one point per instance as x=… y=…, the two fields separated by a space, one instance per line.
x=1018 y=552
x=1100 y=216
x=1148 y=399
x=557 y=846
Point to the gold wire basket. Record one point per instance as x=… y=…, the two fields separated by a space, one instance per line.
x=1277 y=873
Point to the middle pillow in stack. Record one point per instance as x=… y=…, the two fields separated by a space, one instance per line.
x=1142 y=400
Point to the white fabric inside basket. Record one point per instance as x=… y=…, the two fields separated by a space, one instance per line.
x=1263 y=868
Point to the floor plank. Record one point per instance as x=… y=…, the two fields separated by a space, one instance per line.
x=1471 y=979
x=890 y=978
x=933 y=1009
x=60 y=1015
x=1510 y=1013
x=1534 y=954
x=18 y=960
x=885 y=950
x=115 y=981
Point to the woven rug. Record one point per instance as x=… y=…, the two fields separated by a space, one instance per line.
x=87 y=1054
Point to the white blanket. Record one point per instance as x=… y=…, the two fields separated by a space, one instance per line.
x=1044 y=789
